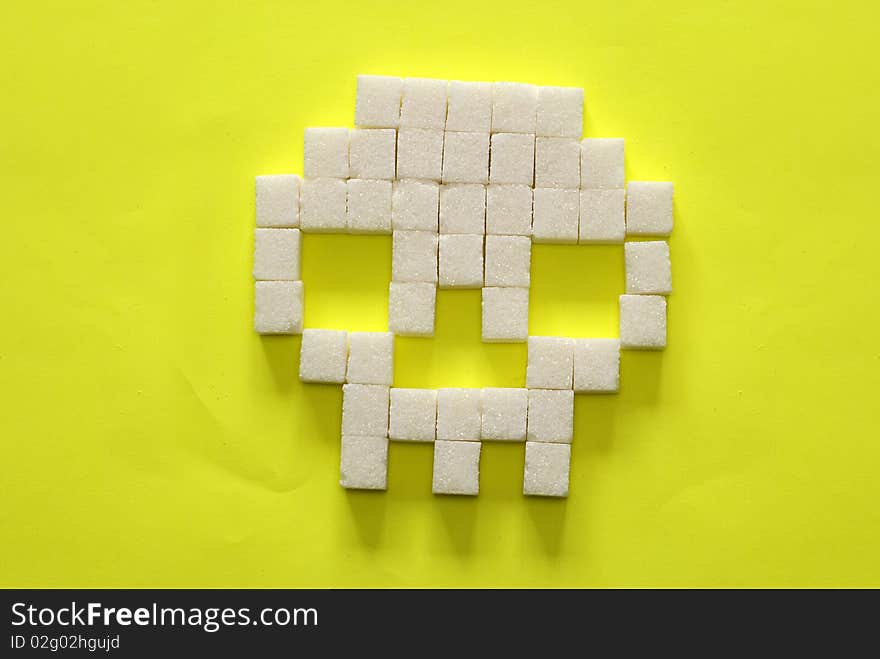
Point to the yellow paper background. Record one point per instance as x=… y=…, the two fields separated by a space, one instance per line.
x=149 y=437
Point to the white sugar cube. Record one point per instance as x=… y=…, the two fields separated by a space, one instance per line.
x=512 y=158
x=596 y=365
x=555 y=215
x=557 y=162
x=547 y=469
x=373 y=153
x=648 y=269
x=461 y=260
x=411 y=308
x=504 y=414
x=415 y=205
x=560 y=112
x=550 y=362
x=514 y=107
x=424 y=103
x=648 y=208
x=276 y=254
x=365 y=410
x=322 y=205
x=551 y=415
x=325 y=153
x=369 y=206
x=456 y=468
x=414 y=256
x=466 y=157
x=469 y=106
x=370 y=358
x=602 y=216
x=505 y=315
x=364 y=463
x=459 y=414
x=323 y=355
x=377 y=104
x=278 y=307
x=277 y=201
x=462 y=208
x=509 y=210
x=602 y=163
x=643 y=322
x=419 y=153
x=413 y=415
x=508 y=259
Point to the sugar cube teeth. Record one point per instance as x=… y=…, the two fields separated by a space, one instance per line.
x=547 y=469
x=456 y=468
x=364 y=462
x=504 y=414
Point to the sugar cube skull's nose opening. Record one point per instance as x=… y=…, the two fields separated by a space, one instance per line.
x=456 y=356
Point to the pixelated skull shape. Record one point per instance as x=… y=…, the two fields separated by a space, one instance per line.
x=466 y=176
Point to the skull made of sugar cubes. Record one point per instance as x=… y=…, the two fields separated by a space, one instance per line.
x=465 y=176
